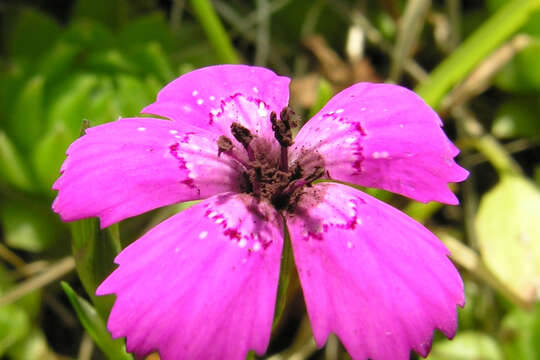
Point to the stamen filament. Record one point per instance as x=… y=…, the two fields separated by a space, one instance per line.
x=284 y=161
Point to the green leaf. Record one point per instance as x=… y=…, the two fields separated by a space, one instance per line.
x=14 y=170
x=12 y=80
x=14 y=318
x=94 y=251
x=467 y=345
x=111 y=61
x=58 y=61
x=104 y=106
x=26 y=119
x=33 y=346
x=95 y=326
x=111 y=13
x=324 y=93
x=508 y=234
x=32 y=34
x=69 y=106
x=422 y=212
x=517 y=117
x=520 y=334
x=29 y=226
x=89 y=35
x=49 y=154
x=147 y=29
x=132 y=94
x=151 y=59
x=14 y=325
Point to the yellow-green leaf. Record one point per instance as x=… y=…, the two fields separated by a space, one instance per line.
x=509 y=234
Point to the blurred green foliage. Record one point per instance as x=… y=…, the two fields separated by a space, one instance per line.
x=109 y=58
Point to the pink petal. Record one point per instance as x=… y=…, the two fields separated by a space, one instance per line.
x=383 y=136
x=127 y=167
x=202 y=284
x=214 y=97
x=370 y=274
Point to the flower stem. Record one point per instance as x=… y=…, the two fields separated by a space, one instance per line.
x=215 y=31
x=287 y=265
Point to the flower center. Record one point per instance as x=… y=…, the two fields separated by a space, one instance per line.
x=266 y=175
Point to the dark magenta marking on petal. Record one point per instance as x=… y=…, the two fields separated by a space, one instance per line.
x=343 y=218
x=358 y=149
x=232 y=233
x=182 y=163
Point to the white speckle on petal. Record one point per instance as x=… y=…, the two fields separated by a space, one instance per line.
x=203 y=234
x=212 y=214
x=200 y=101
x=187 y=108
x=257 y=246
x=176 y=250
x=173 y=131
x=214 y=112
x=212 y=97
x=343 y=126
x=255 y=89
x=141 y=129
x=195 y=93
x=189 y=166
x=380 y=155
x=363 y=109
x=339 y=111
x=220 y=220
x=350 y=140
x=330 y=113
x=177 y=136
x=244 y=260
x=242 y=243
x=349 y=244
x=262 y=110
x=359 y=221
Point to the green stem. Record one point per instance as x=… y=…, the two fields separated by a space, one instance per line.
x=506 y=21
x=212 y=26
x=496 y=155
x=284 y=276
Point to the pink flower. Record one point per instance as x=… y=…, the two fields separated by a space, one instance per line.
x=202 y=284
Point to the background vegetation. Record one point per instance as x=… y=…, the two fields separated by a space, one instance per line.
x=66 y=63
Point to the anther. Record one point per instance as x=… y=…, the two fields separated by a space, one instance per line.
x=241 y=134
x=244 y=137
x=283 y=134
x=282 y=128
x=224 y=145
